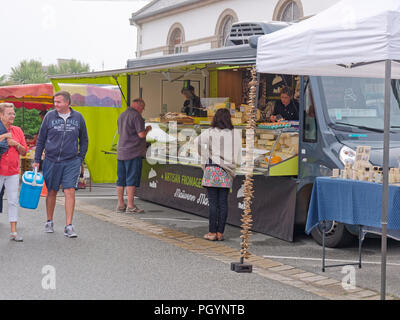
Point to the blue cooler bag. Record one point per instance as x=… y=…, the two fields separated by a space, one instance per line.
x=32 y=184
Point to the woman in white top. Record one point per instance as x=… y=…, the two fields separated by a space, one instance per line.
x=220 y=150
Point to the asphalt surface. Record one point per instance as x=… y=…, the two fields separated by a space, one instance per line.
x=110 y=262
x=304 y=253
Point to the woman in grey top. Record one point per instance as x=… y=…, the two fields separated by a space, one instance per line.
x=220 y=149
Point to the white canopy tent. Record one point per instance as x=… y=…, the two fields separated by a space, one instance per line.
x=340 y=41
x=354 y=38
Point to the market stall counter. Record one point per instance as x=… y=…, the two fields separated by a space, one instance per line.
x=172 y=175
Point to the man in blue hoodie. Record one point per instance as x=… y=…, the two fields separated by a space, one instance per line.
x=64 y=138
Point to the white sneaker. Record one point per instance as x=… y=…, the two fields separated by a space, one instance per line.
x=70 y=232
x=15 y=237
x=49 y=227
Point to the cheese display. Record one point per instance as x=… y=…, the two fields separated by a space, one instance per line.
x=277 y=146
x=271 y=147
x=236 y=121
x=158 y=119
x=268 y=136
x=220 y=106
x=214 y=104
x=210 y=113
x=245 y=110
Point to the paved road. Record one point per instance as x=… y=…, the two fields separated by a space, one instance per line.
x=107 y=261
x=303 y=253
x=110 y=262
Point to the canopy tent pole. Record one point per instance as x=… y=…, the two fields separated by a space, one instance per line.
x=120 y=89
x=385 y=186
x=23 y=116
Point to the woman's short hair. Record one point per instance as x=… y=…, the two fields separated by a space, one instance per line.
x=188 y=89
x=5 y=105
x=65 y=95
x=222 y=120
x=286 y=90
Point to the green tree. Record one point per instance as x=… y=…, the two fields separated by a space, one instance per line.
x=32 y=120
x=5 y=81
x=29 y=72
x=68 y=67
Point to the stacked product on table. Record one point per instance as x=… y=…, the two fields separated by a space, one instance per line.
x=363 y=170
x=238 y=114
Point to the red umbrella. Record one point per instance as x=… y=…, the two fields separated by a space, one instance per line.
x=30 y=96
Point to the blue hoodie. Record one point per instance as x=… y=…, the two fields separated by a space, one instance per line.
x=60 y=139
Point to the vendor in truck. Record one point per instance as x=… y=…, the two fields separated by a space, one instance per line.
x=286 y=108
x=192 y=105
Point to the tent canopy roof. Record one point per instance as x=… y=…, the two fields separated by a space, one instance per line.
x=235 y=55
x=19 y=91
x=351 y=38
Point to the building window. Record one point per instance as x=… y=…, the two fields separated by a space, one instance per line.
x=288 y=10
x=175 y=42
x=175 y=39
x=225 y=30
x=224 y=24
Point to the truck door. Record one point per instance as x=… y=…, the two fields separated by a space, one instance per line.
x=308 y=136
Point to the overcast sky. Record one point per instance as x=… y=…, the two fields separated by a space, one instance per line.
x=90 y=31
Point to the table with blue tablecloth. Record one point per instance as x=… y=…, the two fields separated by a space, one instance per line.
x=352 y=202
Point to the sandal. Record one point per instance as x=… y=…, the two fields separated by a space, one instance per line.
x=121 y=209
x=210 y=237
x=220 y=237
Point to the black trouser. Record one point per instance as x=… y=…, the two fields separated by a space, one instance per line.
x=218 y=208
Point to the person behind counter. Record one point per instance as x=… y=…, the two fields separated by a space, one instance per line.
x=286 y=108
x=220 y=150
x=192 y=105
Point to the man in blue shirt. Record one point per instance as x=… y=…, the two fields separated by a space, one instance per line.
x=131 y=150
x=64 y=138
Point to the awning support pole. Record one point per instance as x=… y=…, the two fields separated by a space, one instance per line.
x=23 y=116
x=385 y=187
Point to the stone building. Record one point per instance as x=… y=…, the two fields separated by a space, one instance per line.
x=175 y=26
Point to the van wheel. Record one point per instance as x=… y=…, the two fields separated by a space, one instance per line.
x=336 y=235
